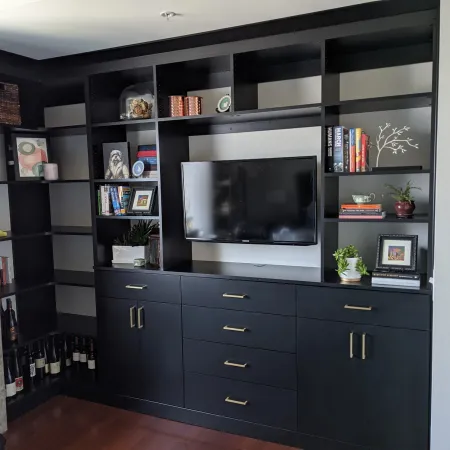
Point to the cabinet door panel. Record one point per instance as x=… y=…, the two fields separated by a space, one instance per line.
x=161 y=361
x=118 y=345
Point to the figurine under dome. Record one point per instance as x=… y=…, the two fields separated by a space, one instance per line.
x=136 y=102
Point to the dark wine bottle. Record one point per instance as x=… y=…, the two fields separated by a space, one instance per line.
x=83 y=352
x=31 y=367
x=40 y=361
x=46 y=366
x=76 y=350
x=54 y=357
x=10 y=380
x=66 y=352
x=17 y=371
x=10 y=322
x=91 y=356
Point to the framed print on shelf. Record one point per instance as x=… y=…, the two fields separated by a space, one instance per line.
x=142 y=201
x=397 y=252
x=30 y=152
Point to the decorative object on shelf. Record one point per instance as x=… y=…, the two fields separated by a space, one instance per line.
x=134 y=244
x=10 y=104
x=142 y=201
x=139 y=262
x=404 y=206
x=391 y=138
x=364 y=211
x=30 y=152
x=3 y=233
x=363 y=198
x=224 y=104
x=176 y=105
x=113 y=200
x=6 y=270
x=155 y=248
x=148 y=155
x=116 y=157
x=51 y=171
x=10 y=322
x=193 y=105
x=398 y=279
x=138 y=169
x=350 y=265
x=397 y=252
x=137 y=102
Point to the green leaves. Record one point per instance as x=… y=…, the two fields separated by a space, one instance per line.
x=402 y=195
x=138 y=234
x=341 y=255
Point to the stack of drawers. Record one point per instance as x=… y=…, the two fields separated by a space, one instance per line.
x=240 y=350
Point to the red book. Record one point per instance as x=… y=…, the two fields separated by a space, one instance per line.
x=364 y=153
x=358 y=134
x=361 y=206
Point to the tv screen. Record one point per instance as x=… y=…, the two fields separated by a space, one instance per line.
x=258 y=201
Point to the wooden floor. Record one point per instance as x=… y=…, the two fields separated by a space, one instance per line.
x=66 y=423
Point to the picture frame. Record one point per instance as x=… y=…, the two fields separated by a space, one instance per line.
x=397 y=252
x=116 y=160
x=142 y=201
x=30 y=152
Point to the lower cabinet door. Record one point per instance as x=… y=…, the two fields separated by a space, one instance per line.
x=245 y=401
x=118 y=345
x=160 y=360
x=364 y=385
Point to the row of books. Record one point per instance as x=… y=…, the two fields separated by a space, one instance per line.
x=362 y=211
x=113 y=200
x=6 y=271
x=389 y=278
x=347 y=149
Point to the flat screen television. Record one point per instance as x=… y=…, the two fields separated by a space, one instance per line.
x=257 y=201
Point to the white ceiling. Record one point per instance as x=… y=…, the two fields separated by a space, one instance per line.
x=47 y=28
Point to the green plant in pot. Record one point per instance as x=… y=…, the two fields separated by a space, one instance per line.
x=350 y=265
x=404 y=206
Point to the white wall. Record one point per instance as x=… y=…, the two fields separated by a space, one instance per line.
x=440 y=406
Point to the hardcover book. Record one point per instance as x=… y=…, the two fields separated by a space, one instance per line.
x=329 y=140
x=362 y=206
x=365 y=145
x=346 y=151
x=338 y=149
x=358 y=146
x=352 y=147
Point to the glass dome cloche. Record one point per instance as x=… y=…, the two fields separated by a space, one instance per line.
x=137 y=102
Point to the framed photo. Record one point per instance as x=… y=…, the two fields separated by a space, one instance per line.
x=142 y=201
x=30 y=152
x=116 y=160
x=397 y=252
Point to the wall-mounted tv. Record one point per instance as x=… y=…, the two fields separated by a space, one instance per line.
x=257 y=201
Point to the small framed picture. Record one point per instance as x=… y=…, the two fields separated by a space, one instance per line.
x=116 y=160
x=30 y=152
x=397 y=252
x=142 y=201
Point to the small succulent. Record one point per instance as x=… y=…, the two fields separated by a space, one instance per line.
x=138 y=234
x=402 y=195
x=341 y=255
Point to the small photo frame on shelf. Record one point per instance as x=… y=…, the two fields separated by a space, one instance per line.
x=397 y=252
x=142 y=201
x=30 y=153
x=116 y=160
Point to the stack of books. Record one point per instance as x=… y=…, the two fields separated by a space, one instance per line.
x=362 y=211
x=401 y=279
x=113 y=200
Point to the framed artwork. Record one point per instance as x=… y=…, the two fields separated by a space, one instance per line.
x=142 y=201
x=116 y=160
x=397 y=252
x=30 y=152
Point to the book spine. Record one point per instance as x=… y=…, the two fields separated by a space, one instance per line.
x=106 y=201
x=124 y=198
x=364 y=153
x=395 y=282
x=99 y=201
x=352 y=149
x=329 y=141
x=396 y=275
x=346 y=151
x=359 y=212
x=361 y=207
x=368 y=217
x=358 y=134
x=338 y=149
x=115 y=200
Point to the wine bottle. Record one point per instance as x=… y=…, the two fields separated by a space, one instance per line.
x=83 y=352
x=54 y=357
x=91 y=356
x=76 y=351
x=18 y=371
x=31 y=366
x=67 y=353
x=46 y=366
x=40 y=361
x=10 y=381
x=10 y=322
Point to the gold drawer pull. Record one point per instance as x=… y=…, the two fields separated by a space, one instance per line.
x=236 y=402
x=132 y=322
x=234 y=295
x=139 y=287
x=241 y=366
x=240 y=330
x=358 y=308
x=363 y=345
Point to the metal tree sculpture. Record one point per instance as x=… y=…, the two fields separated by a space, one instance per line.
x=393 y=141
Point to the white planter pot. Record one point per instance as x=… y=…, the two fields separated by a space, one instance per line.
x=126 y=255
x=351 y=274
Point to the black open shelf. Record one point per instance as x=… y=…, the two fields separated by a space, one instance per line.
x=74 y=278
x=14 y=237
x=71 y=230
x=16 y=288
x=417 y=218
x=136 y=124
x=77 y=324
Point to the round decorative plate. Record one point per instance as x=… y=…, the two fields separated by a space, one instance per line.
x=224 y=104
x=138 y=169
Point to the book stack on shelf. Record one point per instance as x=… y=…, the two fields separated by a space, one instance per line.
x=347 y=150
x=362 y=211
x=389 y=278
x=113 y=200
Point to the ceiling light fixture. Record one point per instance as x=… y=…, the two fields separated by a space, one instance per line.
x=168 y=14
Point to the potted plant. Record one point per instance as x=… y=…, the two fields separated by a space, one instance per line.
x=404 y=206
x=135 y=243
x=350 y=265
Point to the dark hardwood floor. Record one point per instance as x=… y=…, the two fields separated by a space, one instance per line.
x=66 y=423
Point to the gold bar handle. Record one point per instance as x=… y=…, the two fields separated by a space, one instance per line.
x=139 y=287
x=363 y=345
x=139 y=315
x=132 y=322
x=234 y=296
x=240 y=330
x=358 y=308
x=241 y=366
x=236 y=402
x=351 y=345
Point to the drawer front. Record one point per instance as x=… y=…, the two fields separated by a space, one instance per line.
x=362 y=306
x=241 y=363
x=255 y=330
x=240 y=295
x=138 y=286
x=245 y=401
